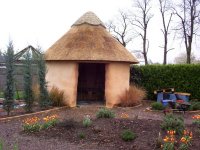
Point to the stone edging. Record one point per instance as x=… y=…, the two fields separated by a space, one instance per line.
x=128 y=107
x=31 y=114
x=196 y=111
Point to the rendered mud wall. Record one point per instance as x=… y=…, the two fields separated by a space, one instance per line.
x=116 y=81
x=63 y=75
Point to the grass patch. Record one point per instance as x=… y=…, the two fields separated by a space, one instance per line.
x=105 y=113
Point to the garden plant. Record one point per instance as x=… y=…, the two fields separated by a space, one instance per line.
x=128 y=135
x=87 y=121
x=105 y=113
x=172 y=122
x=34 y=125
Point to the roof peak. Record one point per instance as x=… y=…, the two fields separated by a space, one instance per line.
x=89 y=18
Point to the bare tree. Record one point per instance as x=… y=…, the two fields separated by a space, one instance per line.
x=182 y=58
x=120 y=28
x=188 y=12
x=166 y=11
x=141 y=21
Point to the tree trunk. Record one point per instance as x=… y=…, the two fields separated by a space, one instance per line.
x=165 y=50
x=144 y=45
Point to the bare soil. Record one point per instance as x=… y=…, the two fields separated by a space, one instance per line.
x=104 y=134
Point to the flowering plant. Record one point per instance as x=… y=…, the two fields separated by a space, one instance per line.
x=34 y=124
x=124 y=115
x=196 y=119
x=170 y=140
x=31 y=124
x=49 y=121
x=185 y=140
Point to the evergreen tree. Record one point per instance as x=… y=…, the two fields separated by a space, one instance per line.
x=8 y=103
x=44 y=96
x=28 y=92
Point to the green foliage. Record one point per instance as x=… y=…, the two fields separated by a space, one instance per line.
x=32 y=127
x=20 y=95
x=105 y=113
x=49 y=124
x=87 y=122
x=183 y=146
x=172 y=122
x=1 y=95
x=168 y=146
x=34 y=124
x=56 y=96
x=128 y=135
x=28 y=92
x=8 y=103
x=44 y=96
x=81 y=135
x=157 y=106
x=184 y=78
x=194 y=106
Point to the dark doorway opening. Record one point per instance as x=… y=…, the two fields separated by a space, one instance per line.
x=91 y=83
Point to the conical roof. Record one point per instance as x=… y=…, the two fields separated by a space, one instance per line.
x=89 y=18
x=88 y=40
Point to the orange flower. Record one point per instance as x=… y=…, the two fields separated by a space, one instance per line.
x=30 y=121
x=124 y=115
x=49 y=118
x=196 y=117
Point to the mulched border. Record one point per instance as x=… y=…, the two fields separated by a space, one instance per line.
x=35 y=113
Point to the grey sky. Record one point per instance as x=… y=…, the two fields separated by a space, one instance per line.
x=42 y=22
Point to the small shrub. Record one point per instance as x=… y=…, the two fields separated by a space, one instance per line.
x=157 y=106
x=56 y=96
x=81 y=135
x=132 y=96
x=105 y=113
x=128 y=135
x=87 y=121
x=171 y=122
x=195 y=106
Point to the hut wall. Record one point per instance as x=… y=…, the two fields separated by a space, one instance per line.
x=117 y=80
x=63 y=75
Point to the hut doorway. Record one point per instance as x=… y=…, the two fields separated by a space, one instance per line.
x=91 y=83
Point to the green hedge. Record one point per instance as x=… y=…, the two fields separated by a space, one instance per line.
x=184 y=78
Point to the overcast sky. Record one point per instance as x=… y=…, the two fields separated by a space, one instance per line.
x=43 y=22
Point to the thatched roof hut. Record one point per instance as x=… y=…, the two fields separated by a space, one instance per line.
x=88 y=45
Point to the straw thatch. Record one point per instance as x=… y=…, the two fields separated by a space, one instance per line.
x=88 y=40
x=89 y=18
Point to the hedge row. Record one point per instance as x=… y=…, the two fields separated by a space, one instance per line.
x=184 y=78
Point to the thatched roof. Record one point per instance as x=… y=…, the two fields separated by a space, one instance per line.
x=89 y=18
x=88 y=40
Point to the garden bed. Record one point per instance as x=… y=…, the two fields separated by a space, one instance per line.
x=102 y=134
